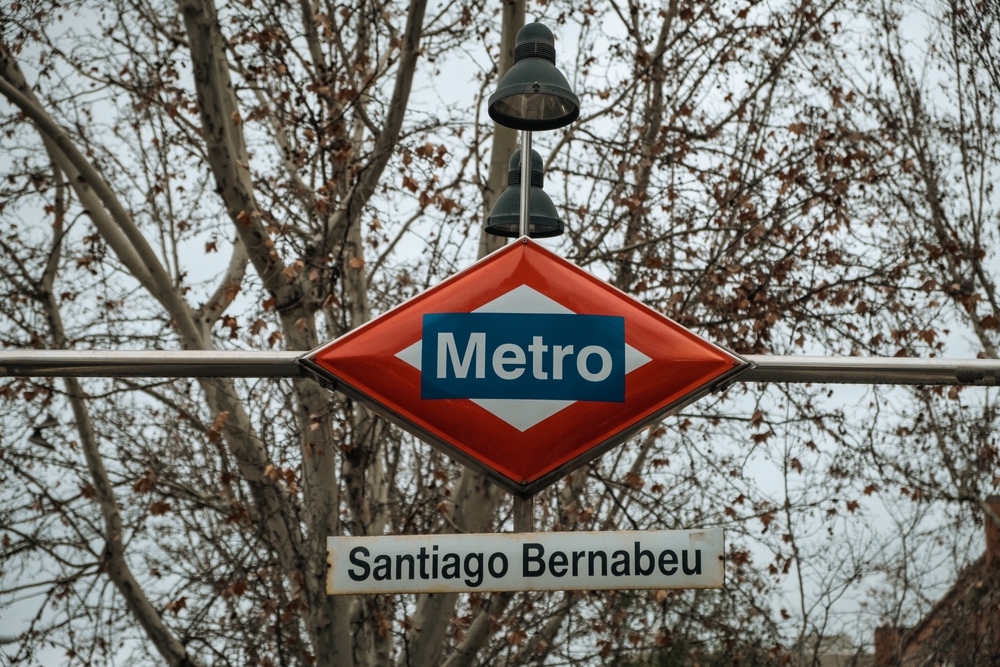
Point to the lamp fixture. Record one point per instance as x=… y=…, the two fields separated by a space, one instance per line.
x=543 y=218
x=533 y=95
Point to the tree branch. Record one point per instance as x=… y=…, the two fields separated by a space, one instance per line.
x=227 y=290
x=222 y=131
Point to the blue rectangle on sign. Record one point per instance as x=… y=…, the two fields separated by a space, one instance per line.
x=523 y=356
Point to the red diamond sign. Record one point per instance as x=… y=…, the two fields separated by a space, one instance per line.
x=523 y=366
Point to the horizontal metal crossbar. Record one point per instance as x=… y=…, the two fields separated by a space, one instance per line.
x=872 y=370
x=766 y=368
x=162 y=364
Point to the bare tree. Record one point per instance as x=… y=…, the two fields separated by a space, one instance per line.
x=209 y=176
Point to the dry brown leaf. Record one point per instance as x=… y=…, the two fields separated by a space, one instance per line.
x=145 y=483
x=159 y=508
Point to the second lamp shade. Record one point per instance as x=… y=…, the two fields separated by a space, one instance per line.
x=543 y=218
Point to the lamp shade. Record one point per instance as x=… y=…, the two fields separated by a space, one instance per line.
x=533 y=95
x=543 y=218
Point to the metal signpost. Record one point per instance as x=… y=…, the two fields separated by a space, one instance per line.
x=524 y=367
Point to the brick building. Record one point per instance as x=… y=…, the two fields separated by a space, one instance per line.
x=963 y=628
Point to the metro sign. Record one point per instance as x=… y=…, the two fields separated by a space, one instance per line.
x=523 y=366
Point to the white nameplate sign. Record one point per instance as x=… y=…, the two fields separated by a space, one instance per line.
x=526 y=562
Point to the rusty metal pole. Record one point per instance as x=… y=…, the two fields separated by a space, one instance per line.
x=524 y=514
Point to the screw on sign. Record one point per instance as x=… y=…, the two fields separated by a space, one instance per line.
x=523 y=366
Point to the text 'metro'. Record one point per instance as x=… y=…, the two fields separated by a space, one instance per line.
x=526 y=562
x=511 y=355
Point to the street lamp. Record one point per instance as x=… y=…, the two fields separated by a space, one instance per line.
x=532 y=95
x=543 y=218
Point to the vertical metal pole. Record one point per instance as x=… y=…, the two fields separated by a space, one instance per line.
x=525 y=181
x=524 y=508
x=524 y=514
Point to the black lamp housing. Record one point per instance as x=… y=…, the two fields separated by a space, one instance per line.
x=533 y=95
x=543 y=218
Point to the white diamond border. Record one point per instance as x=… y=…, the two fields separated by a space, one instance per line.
x=522 y=413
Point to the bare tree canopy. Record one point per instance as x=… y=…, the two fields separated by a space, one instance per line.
x=802 y=176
